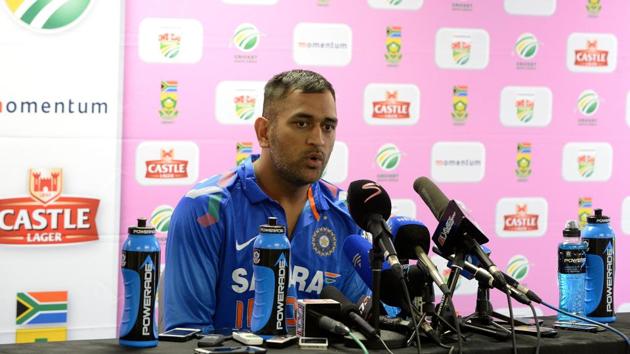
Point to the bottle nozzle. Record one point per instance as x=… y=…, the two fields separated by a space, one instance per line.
x=272 y=221
x=142 y=222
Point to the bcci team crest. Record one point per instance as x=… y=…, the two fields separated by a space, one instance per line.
x=523 y=161
x=243 y=152
x=170 y=44
x=460 y=104
x=460 y=49
x=244 y=106
x=324 y=241
x=168 y=101
x=393 y=44
x=586 y=164
x=524 y=106
x=593 y=7
x=585 y=208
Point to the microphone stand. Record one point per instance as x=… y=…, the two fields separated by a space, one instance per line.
x=392 y=339
x=482 y=320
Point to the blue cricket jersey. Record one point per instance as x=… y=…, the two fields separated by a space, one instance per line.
x=208 y=279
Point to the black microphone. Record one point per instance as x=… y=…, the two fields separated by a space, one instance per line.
x=370 y=206
x=328 y=324
x=411 y=239
x=455 y=228
x=349 y=311
x=526 y=291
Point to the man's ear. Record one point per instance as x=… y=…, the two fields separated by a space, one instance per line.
x=261 y=126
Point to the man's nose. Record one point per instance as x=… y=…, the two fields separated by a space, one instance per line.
x=316 y=136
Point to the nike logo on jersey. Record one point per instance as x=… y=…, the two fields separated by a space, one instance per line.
x=240 y=247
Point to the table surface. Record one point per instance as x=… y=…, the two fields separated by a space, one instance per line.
x=567 y=342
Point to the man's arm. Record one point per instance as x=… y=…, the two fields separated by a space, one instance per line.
x=193 y=255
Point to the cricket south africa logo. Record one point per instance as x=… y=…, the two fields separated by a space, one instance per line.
x=388 y=157
x=47 y=15
x=246 y=37
x=526 y=46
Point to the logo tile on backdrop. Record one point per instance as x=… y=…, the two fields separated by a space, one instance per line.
x=246 y=38
x=41 y=316
x=593 y=7
x=396 y=4
x=458 y=161
x=48 y=16
x=462 y=48
x=521 y=217
x=523 y=161
x=391 y=104
x=337 y=168
x=167 y=163
x=460 y=104
x=518 y=267
x=393 y=45
x=530 y=7
x=170 y=40
x=47 y=216
x=403 y=207
x=238 y=102
x=526 y=106
x=585 y=208
x=526 y=48
x=588 y=103
x=168 y=101
x=244 y=150
x=592 y=52
x=388 y=159
x=587 y=162
x=322 y=44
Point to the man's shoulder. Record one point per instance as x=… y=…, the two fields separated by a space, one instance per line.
x=329 y=190
x=217 y=186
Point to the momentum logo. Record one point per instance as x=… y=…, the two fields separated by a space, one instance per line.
x=66 y=106
x=47 y=14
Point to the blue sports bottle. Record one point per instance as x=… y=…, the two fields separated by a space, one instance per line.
x=571 y=272
x=140 y=265
x=600 y=268
x=272 y=260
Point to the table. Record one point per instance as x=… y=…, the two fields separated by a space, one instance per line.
x=567 y=342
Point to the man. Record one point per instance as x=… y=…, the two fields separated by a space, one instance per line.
x=208 y=274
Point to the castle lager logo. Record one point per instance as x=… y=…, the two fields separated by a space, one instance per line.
x=523 y=160
x=518 y=267
x=460 y=49
x=47 y=14
x=244 y=106
x=393 y=44
x=391 y=107
x=460 y=104
x=521 y=220
x=524 y=105
x=170 y=44
x=588 y=102
x=243 y=151
x=591 y=56
x=168 y=101
x=526 y=46
x=166 y=167
x=246 y=37
x=388 y=157
x=585 y=208
x=46 y=216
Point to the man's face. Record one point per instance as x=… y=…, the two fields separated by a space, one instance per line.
x=302 y=135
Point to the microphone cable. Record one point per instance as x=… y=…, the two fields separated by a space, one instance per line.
x=356 y=340
x=605 y=326
x=413 y=317
x=509 y=301
x=537 y=328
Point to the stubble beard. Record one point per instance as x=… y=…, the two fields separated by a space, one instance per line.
x=290 y=172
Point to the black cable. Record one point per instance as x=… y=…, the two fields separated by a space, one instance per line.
x=460 y=343
x=605 y=326
x=537 y=328
x=413 y=317
x=509 y=299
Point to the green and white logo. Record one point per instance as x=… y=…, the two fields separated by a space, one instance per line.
x=518 y=267
x=47 y=14
x=388 y=157
x=526 y=46
x=246 y=37
x=588 y=102
x=161 y=217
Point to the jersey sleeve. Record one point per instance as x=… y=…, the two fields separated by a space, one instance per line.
x=193 y=254
x=353 y=287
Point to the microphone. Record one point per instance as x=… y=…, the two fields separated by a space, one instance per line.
x=370 y=206
x=411 y=239
x=328 y=324
x=455 y=229
x=526 y=291
x=349 y=311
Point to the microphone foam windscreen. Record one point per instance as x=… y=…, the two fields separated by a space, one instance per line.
x=365 y=198
x=407 y=234
x=431 y=195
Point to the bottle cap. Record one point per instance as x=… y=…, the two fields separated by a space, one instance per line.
x=141 y=228
x=272 y=226
x=598 y=218
x=571 y=229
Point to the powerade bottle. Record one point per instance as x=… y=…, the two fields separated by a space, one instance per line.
x=571 y=272
x=600 y=268
x=272 y=259
x=141 y=270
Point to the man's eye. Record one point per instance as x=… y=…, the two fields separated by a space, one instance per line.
x=330 y=127
x=301 y=124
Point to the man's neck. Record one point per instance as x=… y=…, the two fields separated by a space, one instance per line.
x=276 y=187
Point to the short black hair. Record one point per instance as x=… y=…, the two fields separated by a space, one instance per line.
x=281 y=85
